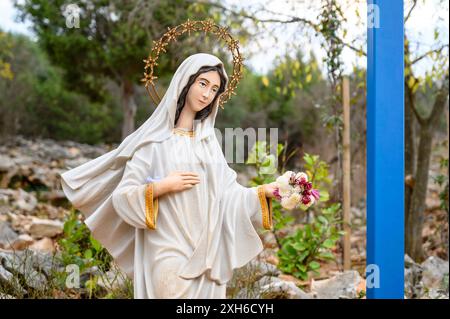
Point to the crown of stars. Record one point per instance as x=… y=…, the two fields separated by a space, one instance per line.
x=208 y=26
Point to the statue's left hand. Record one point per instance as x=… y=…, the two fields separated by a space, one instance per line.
x=269 y=189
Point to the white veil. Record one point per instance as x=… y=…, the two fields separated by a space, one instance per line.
x=89 y=186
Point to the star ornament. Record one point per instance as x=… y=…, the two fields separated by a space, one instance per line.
x=189 y=26
x=207 y=25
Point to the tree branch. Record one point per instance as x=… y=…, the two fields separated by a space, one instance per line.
x=439 y=102
x=427 y=53
x=292 y=19
x=410 y=10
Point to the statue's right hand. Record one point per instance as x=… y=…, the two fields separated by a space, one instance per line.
x=178 y=181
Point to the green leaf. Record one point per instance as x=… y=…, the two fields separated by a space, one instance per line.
x=299 y=246
x=303 y=255
x=280 y=148
x=328 y=243
x=291 y=250
x=314 y=265
x=308 y=78
x=88 y=254
x=324 y=196
x=304 y=276
x=308 y=160
x=322 y=219
x=326 y=255
x=302 y=268
x=95 y=244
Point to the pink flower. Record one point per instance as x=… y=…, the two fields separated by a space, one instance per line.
x=315 y=193
x=276 y=192
x=305 y=200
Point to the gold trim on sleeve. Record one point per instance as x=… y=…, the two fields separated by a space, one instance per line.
x=151 y=207
x=266 y=206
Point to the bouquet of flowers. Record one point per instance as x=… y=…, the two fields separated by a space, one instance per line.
x=293 y=190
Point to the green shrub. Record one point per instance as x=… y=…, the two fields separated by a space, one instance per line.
x=300 y=252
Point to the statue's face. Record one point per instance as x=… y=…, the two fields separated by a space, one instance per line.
x=203 y=90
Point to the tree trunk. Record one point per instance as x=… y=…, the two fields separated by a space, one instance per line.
x=419 y=195
x=129 y=108
x=410 y=156
x=418 y=201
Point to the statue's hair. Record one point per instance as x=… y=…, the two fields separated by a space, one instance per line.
x=203 y=114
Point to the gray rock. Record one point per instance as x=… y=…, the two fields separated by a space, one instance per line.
x=25 y=201
x=263 y=268
x=275 y=287
x=33 y=268
x=7 y=235
x=413 y=279
x=21 y=264
x=5 y=275
x=434 y=293
x=6 y=296
x=343 y=285
x=112 y=280
x=434 y=270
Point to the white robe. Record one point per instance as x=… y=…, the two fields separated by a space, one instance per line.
x=199 y=237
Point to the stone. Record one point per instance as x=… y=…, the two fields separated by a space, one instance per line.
x=111 y=280
x=434 y=270
x=7 y=235
x=263 y=268
x=273 y=287
x=6 y=163
x=269 y=240
x=343 y=285
x=45 y=244
x=25 y=201
x=45 y=228
x=22 y=264
x=22 y=242
x=33 y=267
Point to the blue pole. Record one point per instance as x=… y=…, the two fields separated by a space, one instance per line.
x=385 y=150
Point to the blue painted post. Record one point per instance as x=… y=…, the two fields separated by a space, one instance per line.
x=385 y=149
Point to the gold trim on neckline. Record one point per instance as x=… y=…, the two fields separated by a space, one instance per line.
x=181 y=132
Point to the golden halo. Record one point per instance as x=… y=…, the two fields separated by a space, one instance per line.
x=189 y=26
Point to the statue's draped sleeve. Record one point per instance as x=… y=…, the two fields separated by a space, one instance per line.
x=252 y=200
x=133 y=198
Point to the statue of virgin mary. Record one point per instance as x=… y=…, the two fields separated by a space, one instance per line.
x=182 y=234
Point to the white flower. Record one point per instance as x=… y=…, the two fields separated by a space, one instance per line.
x=284 y=188
x=282 y=180
x=288 y=174
x=301 y=175
x=291 y=201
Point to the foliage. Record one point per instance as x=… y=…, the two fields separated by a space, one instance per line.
x=301 y=251
x=264 y=161
x=79 y=247
x=442 y=181
x=5 y=54
x=35 y=102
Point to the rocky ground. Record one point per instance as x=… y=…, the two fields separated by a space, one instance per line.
x=33 y=209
